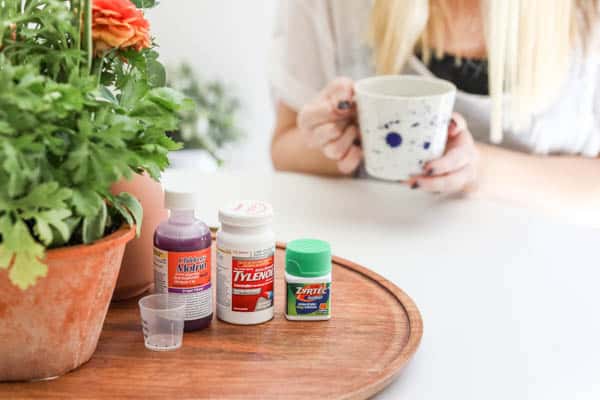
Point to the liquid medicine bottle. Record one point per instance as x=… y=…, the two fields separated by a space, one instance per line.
x=245 y=263
x=182 y=258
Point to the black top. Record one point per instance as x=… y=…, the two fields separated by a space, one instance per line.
x=470 y=76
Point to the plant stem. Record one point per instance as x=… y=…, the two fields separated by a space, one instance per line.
x=77 y=8
x=100 y=64
x=87 y=35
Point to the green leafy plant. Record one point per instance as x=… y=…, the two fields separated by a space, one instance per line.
x=213 y=122
x=72 y=123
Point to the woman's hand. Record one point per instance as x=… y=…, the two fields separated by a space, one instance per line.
x=328 y=123
x=457 y=170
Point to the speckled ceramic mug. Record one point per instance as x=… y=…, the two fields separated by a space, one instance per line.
x=404 y=123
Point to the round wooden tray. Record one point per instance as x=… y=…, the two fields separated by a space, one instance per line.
x=374 y=331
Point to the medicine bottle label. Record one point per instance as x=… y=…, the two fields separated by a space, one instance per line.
x=308 y=299
x=246 y=280
x=186 y=274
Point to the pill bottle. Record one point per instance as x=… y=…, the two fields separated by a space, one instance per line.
x=182 y=258
x=308 y=280
x=245 y=263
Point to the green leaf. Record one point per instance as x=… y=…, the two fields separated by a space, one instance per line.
x=134 y=207
x=5 y=257
x=157 y=76
x=47 y=195
x=87 y=202
x=18 y=242
x=19 y=175
x=78 y=162
x=59 y=238
x=103 y=94
x=145 y=3
x=26 y=269
x=55 y=219
x=134 y=89
x=122 y=210
x=126 y=125
x=44 y=232
x=95 y=225
x=6 y=254
x=6 y=128
x=170 y=99
x=17 y=238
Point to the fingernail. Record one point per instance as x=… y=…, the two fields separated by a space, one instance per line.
x=415 y=186
x=344 y=105
x=430 y=172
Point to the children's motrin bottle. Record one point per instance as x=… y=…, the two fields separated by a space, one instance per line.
x=182 y=258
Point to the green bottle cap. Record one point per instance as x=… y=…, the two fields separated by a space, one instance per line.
x=308 y=258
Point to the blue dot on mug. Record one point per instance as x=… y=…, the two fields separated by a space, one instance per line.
x=426 y=145
x=393 y=139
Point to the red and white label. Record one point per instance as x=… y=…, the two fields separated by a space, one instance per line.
x=252 y=284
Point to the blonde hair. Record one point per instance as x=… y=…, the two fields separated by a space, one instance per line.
x=529 y=44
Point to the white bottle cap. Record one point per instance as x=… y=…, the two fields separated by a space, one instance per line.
x=177 y=199
x=246 y=213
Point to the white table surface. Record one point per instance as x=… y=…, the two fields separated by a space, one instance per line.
x=510 y=300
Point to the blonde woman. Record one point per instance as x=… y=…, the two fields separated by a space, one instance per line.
x=527 y=121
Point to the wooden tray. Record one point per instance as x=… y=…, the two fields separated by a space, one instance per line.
x=374 y=331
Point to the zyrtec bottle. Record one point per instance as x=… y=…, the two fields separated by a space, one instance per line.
x=182 y=258
x=308 y=280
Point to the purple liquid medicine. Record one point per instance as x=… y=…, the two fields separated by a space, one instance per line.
x=182 y=259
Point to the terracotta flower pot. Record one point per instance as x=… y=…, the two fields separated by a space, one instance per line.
x=137 y=274
x=54 y=326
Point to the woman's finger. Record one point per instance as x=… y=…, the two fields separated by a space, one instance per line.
x=458 y=124
x=450 y=183
x=334 y=103
x=460 y=152
x=321 y=112
x=350 y=162
x=337 y=149
x=323 y=134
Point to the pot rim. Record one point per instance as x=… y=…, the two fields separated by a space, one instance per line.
x=120 y=237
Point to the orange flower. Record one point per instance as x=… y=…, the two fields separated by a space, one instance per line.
x=119 y=24
x=13 y=33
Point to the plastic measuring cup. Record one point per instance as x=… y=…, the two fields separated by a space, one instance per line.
x=162 y=321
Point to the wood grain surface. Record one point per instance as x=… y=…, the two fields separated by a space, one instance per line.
x=374 y=331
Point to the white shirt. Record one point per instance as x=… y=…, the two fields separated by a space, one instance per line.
x=318 y=40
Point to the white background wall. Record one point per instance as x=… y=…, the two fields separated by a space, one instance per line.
x=228 y=40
